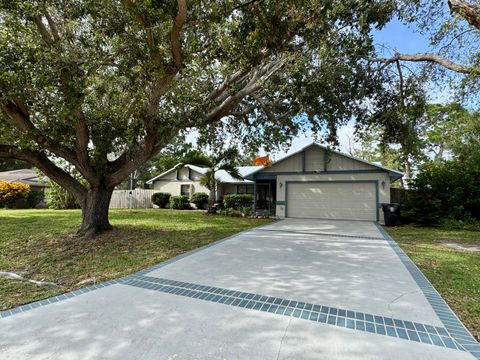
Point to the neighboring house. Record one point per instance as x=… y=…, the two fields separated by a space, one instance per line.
x=24 y=176
x=314 y=182
x=184 y=179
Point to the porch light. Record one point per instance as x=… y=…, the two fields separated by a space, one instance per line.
x=383 y=184
x=280 y=185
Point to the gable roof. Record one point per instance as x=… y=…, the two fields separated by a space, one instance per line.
x=393 y=173
x=221 y=175
x=24 y=176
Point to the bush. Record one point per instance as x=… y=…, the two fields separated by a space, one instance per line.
x=59 y=198
x=422 y=209
x=161 y=199
x=200 y=200
x=34 y=198
x=233 y=213
x=10 y=192
x=238 y=201
x=180 y=202
x=454 y=184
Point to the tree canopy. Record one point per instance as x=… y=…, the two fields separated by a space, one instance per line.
x=106 y=85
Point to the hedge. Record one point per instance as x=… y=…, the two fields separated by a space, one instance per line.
x=238 y=201
x=12 y=191
x=200 y=200
x=161 y=199
x=180 y=202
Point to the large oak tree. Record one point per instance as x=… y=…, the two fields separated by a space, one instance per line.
x=106 y=85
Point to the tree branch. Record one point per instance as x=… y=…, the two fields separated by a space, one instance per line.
x=41 y=161
x=469 y=12
x=18 y=117
x=128 y=162
x=432 y=58
x=260 y=75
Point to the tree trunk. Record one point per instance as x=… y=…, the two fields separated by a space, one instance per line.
x=95 y=212
x=408 y=172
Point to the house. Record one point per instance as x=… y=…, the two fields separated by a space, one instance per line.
x=317 y=182
x=314 y=182
x=24 y=176
x=184 y=179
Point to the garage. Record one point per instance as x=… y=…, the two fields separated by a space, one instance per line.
x=350 y=200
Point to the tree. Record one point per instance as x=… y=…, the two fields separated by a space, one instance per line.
x=455 y=39
x=398 y=118
x=106 y=85
x=227 y=160
x=452 y=131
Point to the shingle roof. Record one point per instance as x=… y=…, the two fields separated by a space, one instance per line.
x=24 y=176
x=221 y=175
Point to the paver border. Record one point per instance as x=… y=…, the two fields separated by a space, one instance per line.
x=449 y=319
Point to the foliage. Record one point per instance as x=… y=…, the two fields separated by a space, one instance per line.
x=161 y=199
x=227 y=160
x=10 y=192
x=9 y=164
x=180 y=202
x=233 y=212
x=112 y=83
x=238 y=201
x=421 y=208
x=59 y=198
x=34 y=198
x=450 y=187
x=468 y=224
x=200 y=200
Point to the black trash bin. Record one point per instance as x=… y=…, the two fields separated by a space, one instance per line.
x=391 y=214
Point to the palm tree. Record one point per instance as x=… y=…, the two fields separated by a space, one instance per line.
x=225 y=160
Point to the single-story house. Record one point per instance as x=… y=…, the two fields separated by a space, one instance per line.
x=314 y=182
x=184 y=179
x=24 y=176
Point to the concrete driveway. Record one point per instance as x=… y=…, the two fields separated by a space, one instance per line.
x=295 y=289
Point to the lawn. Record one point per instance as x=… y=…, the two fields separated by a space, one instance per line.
x=37 y=244
x=454 y=273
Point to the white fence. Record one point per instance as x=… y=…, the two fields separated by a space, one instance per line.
x=140 y=198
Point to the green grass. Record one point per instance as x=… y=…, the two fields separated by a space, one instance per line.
x=37 y=244
x=454 y=273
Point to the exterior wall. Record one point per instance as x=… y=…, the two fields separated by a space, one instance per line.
x=314 y=159
x=293 y=163
x=173 y=187
x=339 y=162
x=383 y=191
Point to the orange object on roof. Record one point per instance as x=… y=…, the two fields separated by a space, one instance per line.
x=262 y=160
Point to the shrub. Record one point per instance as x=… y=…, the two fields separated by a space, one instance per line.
x=247 y=211
x=233 y=213
x=59 y=198
x=200 y=200
x=34 y=198
x=180 y=202
x=422 y=209
x=161 y=199
x=238 y=201
x=10 y=192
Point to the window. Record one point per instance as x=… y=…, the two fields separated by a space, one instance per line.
x=185 y=190
x=241 y=189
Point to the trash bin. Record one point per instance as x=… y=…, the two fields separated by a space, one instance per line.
x=391 y=214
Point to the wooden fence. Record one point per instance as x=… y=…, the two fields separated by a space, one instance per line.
x=140 y=199
x=398 y=196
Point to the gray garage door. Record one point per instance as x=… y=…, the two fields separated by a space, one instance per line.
x=323 y=200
